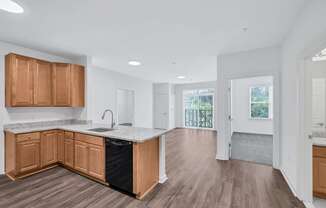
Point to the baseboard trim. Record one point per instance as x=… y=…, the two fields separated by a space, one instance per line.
x=220 y=157
x=289 y=184
x=309 y=205
x=163 y=179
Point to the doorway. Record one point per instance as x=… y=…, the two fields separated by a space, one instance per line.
x=251 y=104
x=125 y=107
x=198 y=108
x=314 y=127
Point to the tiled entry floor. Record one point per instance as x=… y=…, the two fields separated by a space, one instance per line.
x=252 y=147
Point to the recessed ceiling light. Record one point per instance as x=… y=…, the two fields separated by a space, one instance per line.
x=181 y=77
x=10 y=6
x=134 y=63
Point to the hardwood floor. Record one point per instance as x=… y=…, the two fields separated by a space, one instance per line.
x=196 y=179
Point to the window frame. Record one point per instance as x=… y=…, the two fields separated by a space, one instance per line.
x=270 y=102
x=184 y=93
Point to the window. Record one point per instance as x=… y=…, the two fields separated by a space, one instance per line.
x=261 y=98
x=198 y=108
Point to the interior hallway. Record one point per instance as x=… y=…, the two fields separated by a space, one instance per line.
x=196 y=179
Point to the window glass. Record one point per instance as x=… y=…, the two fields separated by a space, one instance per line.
x=260 y=102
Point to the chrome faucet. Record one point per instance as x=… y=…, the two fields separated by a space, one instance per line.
x=103 y=116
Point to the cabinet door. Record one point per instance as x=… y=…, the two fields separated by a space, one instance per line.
x=320 y=175
x=42 y=83
x=28 y=156
x=96 y=161
x=60 y=146
x=49 y=148
x=69 y=152
x=21 y=76
x=77 y=86
x=81 y=156
x=61 y=84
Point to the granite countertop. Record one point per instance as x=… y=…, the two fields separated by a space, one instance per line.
x=318 y=141
x=133 y=134
x=319 y=137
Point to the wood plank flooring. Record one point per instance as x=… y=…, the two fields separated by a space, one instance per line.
x=196 y=179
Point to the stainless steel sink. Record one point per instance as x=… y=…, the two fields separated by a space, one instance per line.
x=100 y=129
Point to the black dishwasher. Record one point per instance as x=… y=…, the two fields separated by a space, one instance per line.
x=119 y=163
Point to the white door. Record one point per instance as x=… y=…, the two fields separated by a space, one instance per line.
x=318 y=104
x=161 y=111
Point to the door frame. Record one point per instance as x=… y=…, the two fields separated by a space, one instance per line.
x=276 y=111
x=305 y=167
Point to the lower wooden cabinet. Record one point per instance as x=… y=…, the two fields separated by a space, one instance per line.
x=81 y=156
x=60 y=146
x=49 y=148
x=32 y=152
x=96 y=161
x=89 y=155
x=319 y=171
x=28 y=156
x=69 y=152
x=22 y=153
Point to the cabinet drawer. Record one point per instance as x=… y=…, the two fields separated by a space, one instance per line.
x=90 y=139
x=319 y=151
x=28 y=137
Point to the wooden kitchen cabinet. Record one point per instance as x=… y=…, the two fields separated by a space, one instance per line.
x=33 y=82
x=42 y=83
x=96 y=161
x=89 y=151
x=49 y=148
x=30 y=153
x=69 y=151
x=68 y=85
x=77 y=85
x=61 y=84
x=18 y=81
x=27 y=153
x=81 y=156
x=61 y=146
x=145 y=166
x=319 y=171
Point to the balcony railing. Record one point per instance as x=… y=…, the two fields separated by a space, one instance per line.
x=199 y=118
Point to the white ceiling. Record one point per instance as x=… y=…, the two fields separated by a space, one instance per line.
x=158 y=33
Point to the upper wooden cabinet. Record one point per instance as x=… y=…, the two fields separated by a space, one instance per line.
x=19 y=81
x=42 y=83
x=68 y=85
x=34 y=82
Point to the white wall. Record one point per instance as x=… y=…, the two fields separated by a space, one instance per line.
x=14 y=115
x=259 y=62
x=102 y=86
x=241 y=121
x=306 y=31
x=179 y=88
